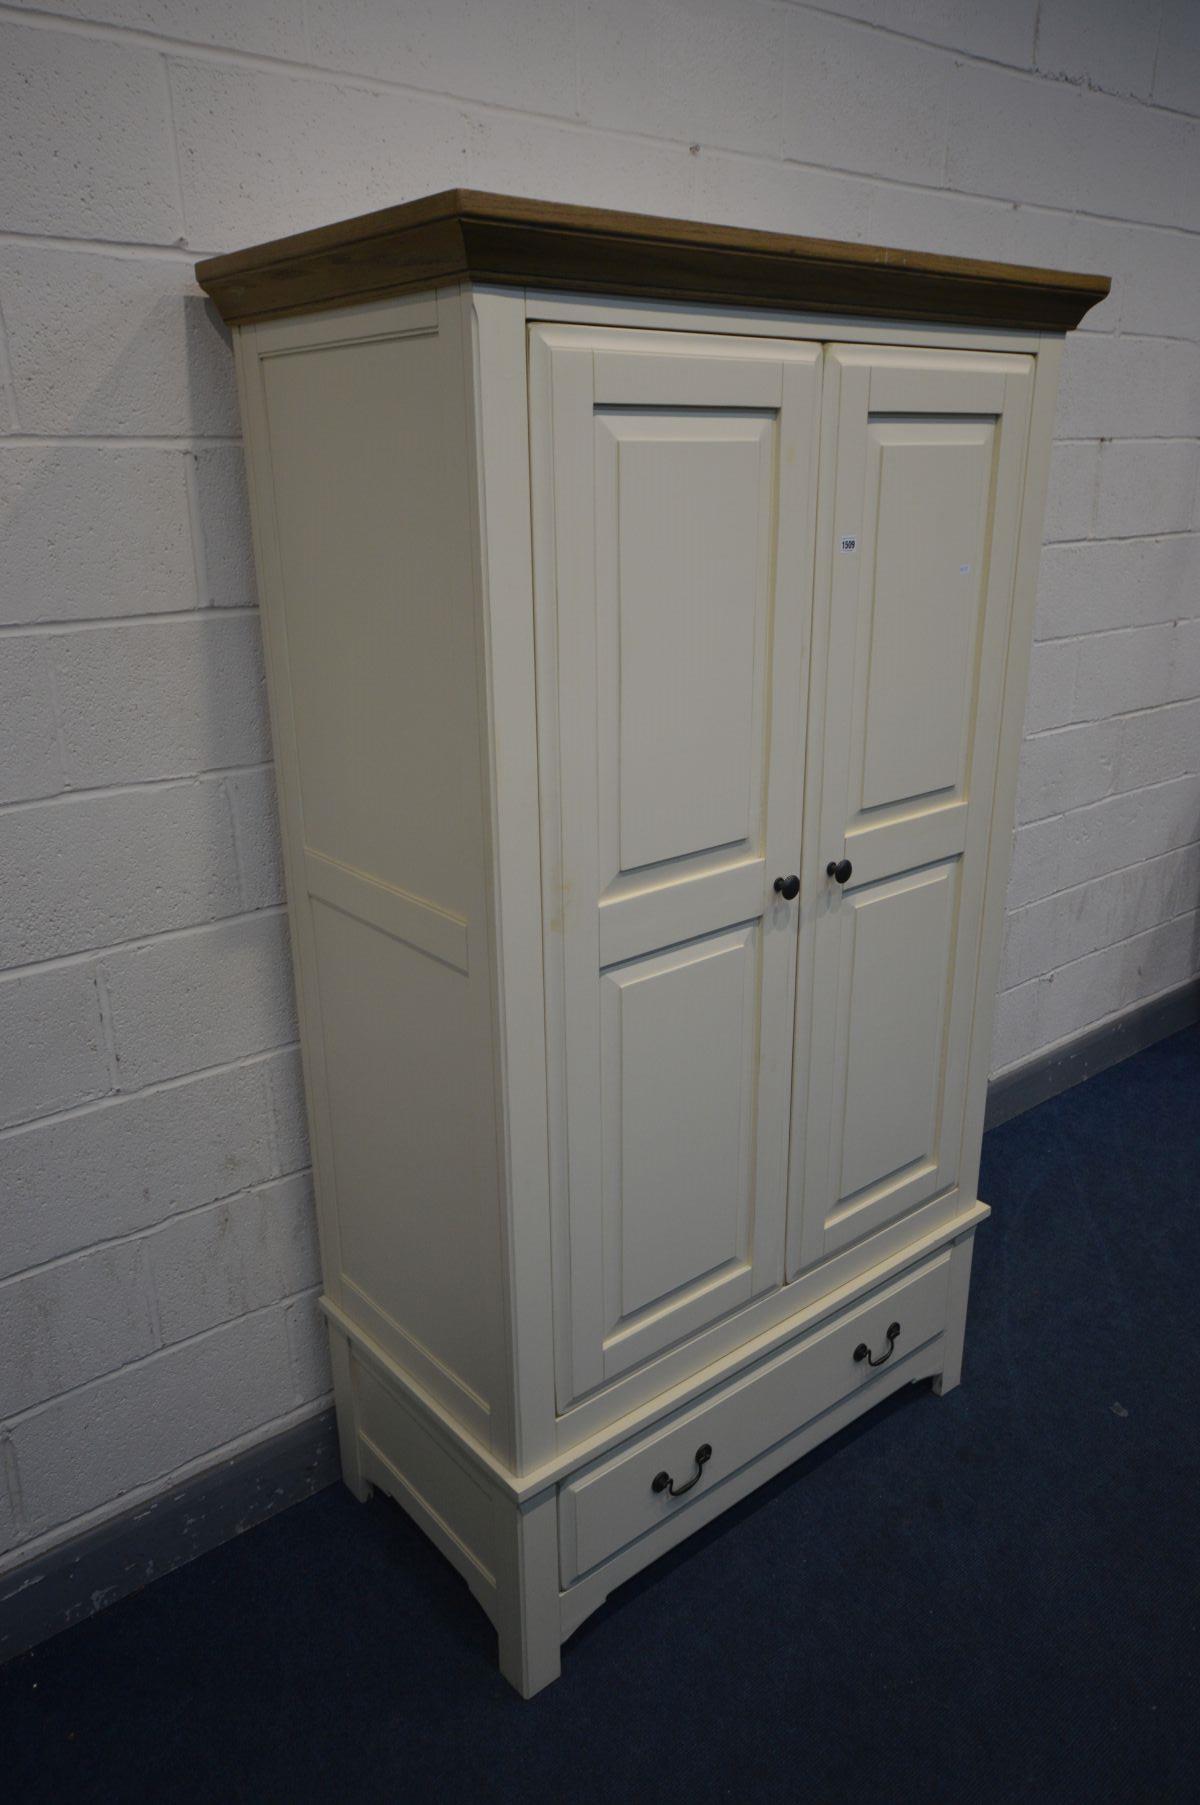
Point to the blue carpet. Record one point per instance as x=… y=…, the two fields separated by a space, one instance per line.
x=987 y=1597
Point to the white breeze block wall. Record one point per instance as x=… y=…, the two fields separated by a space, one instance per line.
x=158 y=1267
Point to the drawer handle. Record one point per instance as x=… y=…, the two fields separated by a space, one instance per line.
x=662 y=1482
x=863 y=1352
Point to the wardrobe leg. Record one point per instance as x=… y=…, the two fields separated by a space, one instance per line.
x=347 y=1415
x=956 y=1313
x=527 y=1618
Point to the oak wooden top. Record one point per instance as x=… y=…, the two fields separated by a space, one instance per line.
x=499 y=238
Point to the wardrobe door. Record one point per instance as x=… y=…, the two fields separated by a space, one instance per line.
x=922 y=461
x=673 y=517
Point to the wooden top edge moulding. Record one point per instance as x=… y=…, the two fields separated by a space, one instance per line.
x=498 y=238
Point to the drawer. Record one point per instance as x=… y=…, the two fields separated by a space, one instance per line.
x=614 y=1502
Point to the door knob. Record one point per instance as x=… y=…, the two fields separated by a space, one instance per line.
x=788 y=888
x=840 y=870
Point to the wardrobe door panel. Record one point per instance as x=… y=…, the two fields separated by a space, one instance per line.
x=684 y=558
x=922 y=461
x=673 y=518
x=894 y=940
x=678 y=1157
x=933 y=478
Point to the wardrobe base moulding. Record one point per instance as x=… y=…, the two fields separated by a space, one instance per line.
x=647 y=609
x=541 y=1554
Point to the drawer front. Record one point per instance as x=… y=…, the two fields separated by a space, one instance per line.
x=615 y=1502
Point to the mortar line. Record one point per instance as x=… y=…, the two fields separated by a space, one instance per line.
x=176 y=156
x=104 y=1005
x=8 y=381
x=146 y=1230
x=110 y=441
x=155 y=1355
x=56 y=629
x=189 y=49
x=47 y=1540
x=191 y=478
x=154 y=1088
x=56 y=710
x=138 y=942
x=48 y=20
x=100 y=792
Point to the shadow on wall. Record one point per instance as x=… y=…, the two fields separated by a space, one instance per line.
x=142 y=939
x=125 y=555
x=125 y=563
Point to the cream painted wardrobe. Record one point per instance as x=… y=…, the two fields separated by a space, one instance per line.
x=647 y=608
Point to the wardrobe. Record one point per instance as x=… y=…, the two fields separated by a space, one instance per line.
x=647 y=606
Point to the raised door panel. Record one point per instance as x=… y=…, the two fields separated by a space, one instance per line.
x=933 y=479
x=893 y=950
x=675 y=1094
x=673 y=514
x=923 y=456
x=682 y=603
x=684 y=505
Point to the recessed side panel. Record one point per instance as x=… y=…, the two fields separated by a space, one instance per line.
x=373 y=606
x=406 y=1135
x=359 y=462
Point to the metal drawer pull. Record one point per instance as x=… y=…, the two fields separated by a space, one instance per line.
x=662 y=1482
x=863 y=1352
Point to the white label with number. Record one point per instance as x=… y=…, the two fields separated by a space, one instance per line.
x=848 y=545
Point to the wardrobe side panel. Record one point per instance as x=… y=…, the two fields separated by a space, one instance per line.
x=1004 y=801
x=360 y=489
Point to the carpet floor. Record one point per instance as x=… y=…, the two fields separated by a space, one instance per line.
x=988 y=1597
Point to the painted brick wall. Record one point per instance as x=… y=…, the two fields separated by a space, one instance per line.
x=157 y=1262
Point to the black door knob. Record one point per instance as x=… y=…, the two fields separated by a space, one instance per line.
x=840 y=870
x=788 y=888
